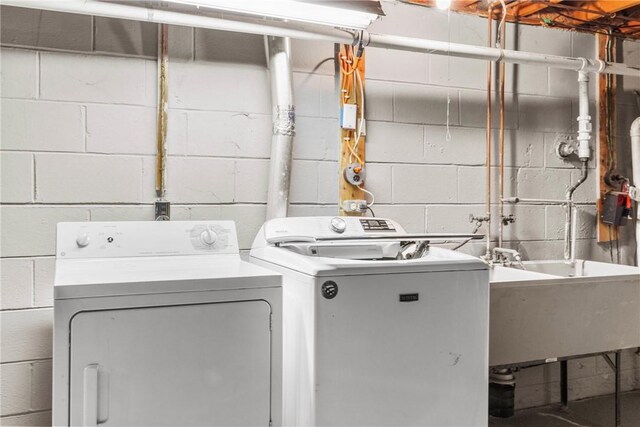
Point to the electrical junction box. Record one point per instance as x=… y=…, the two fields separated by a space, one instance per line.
x=349 y=116
x=615 y=208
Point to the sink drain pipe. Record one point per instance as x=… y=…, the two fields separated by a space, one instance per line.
x=584 y=153
x=635 y=164
x=284 y=125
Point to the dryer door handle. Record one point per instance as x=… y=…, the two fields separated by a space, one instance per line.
x=95 y=405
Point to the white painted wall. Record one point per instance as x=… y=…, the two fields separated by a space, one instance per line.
x=78 y=143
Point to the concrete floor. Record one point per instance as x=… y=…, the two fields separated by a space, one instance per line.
x=595 y=412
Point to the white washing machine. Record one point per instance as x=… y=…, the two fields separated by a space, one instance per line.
x=161 y=323
x=372 y=338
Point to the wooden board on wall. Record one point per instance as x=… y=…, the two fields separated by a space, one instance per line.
x=607 y=126
x=348 y=191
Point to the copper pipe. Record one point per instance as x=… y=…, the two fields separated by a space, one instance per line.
x=163 y=107
x=488 y=147
x=502 y=78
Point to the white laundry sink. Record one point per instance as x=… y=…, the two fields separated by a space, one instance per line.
x=552 y=309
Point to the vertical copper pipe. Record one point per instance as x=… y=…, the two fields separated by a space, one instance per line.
x=488 y=147
x=163 y=107
x=502 y=78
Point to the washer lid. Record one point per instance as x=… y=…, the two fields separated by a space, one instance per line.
x=79 y=278
x=437 y=259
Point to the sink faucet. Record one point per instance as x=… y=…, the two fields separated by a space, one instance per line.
x=499 y=255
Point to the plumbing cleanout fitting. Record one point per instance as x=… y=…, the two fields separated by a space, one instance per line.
x=284 y=122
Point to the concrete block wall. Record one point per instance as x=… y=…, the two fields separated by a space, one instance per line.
x=78 y=143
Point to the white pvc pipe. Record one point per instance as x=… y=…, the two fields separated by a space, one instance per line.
x=283 y=111
x=635 y=163
x=122 y=11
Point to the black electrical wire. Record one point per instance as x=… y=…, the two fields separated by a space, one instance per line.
x=371 y=210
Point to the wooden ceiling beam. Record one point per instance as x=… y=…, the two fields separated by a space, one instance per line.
x=528 y=9
x=594 y=10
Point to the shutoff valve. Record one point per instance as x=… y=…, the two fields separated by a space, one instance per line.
x=354 y=174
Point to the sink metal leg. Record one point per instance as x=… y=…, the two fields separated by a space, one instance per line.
x=617 y=393
x=564 y=383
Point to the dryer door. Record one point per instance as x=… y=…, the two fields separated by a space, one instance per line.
x=204 y=364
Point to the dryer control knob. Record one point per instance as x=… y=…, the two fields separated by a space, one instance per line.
x=208 y=237
x=338 y=225
x=83 y=240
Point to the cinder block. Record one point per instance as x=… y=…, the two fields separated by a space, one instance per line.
x=457 y=72
x=228 y=134
x=36 y=222
x=252 y=177
x=248 y=218
x=379 y=101
x=36 y=126
x=180 y=44
x=394 y=142
x=315 y=95
x=583 y=45
x=304 y=182
x=44 y=29
x=544 y=114
x=586 y=225
x=228 y=47
x=43 y=281
x=65 y=178
x=415 y=20
x=31 y=419
x=313 y=210
x=200 y=180
x=587 y=192
x=410 y=217
x=529 y=223
x=424 y=104
x=473 y=110
x=452 y=218
x=219 y=87
x=15 y=388
x=398 y=66
x=26 y=334
x=522 y=148
x=379 y=181
x=313 y=57
x=41 y=385
x=542 y=183
x=424 y=184
x=537 y=395
x=19 y=73
x=328 y=182
x=466 y=147
x=317 y=139
x=543 y=40
x=524 y=79
x=121 y=129
x=127 y=37
x=17 y=283
x=103 y=79
x=472 y=186
x=17 y=178
x=541 y=250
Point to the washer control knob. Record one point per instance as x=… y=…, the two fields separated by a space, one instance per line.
x=208 y=237
x=338 y=225
x=83 y=240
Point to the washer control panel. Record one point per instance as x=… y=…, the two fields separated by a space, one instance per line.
x=374 y=225
x=145 y=238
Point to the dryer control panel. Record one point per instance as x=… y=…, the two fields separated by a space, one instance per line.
x=145 y=238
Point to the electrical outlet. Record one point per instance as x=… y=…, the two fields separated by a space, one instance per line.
x=354 y=206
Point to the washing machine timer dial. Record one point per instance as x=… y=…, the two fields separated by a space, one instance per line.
x=83 y=240
x=338 y=225
x=208 y=237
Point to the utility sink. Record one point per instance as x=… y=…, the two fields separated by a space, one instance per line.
x=543 y=310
